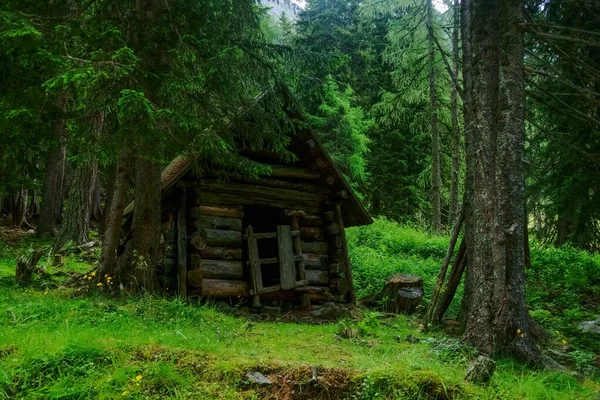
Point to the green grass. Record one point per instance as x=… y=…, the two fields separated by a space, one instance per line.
x=57 y=343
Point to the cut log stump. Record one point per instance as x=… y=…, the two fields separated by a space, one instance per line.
x=402 y=293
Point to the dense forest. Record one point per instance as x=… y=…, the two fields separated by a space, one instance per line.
x=468 y=129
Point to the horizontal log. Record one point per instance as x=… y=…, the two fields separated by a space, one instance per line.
x=315 y=261
x=219 y=288
x=312 y=289
x=315 y=247
x=225 y=223
x=221 y=253
x=316 y=277
x=293 y=296
x=294 y=172
x=336 y=268
x=281 y=184
x=216 y=237
x=309 y=233
x=333 y=229
x=217 y=211
x=222 y=198
x=337 y=255
x=223 y=269
x=340 y=285
x=194 y=278
x=329 y=216
x=264 y=192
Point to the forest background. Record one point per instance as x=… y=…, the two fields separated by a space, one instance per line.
x=89 y=86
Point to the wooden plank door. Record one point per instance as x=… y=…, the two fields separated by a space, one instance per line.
x=287 y=266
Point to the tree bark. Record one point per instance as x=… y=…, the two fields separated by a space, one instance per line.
x=496 y=317
x=51 y=207
x=96 y=206
x=114 y=216
x=454 y=206
x=436 y=174
x=137 y=265
x=19 y=208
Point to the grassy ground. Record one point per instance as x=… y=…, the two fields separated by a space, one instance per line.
x=57 y=343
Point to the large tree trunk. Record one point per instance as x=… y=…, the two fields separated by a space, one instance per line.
x=496 y=318
x=113 y=215
x=137 y=265
x=436 y=172
x=110 y=190
x=96 y=206
x=455 y=176
x=53 y=183
x=76 y=223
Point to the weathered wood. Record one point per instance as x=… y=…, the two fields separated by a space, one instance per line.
x=340 y=286
x=456 y=273
x=315 y=247
x=230 y=224
x=287 y=268
x=336 y=268
x=255 y=271
x=264 y=192
x=182 y=244
x=329 y=216
x=330 y=180
x=304 y=300
x=320 y=163
x=228 y=198
x=294 y=172
x=26 y=265
x=309 y=233
x=293 y=296
x=221 y=253
x=337 y=255
x=315 y=261
x=222 y=269
x=294 y=213
x=218 y=288
x=281 y=184
x=402 y=293
x=194 y=278
x=217 y=211
x=346 y=258
x=333 y=229
x=216 y=237
x=343 y=195
x=312 y=289
x=317 y=277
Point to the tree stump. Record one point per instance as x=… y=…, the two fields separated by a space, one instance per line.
x=402 y=293
x=26 y=265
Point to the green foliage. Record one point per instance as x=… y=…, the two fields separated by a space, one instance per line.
x=343 y=128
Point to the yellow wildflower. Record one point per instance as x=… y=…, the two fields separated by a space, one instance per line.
x=85 y=276
x=522 y=335
x=89 y=278
x=564 y=341
x=138 y=378
x=93 y=273
x=99 y=284
x=125 y=393
x=519 y=331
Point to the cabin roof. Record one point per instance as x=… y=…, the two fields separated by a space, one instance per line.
x=353 y=212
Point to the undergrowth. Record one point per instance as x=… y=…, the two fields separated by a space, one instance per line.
x=57 y=343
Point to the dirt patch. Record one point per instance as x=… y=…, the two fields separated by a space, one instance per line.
x=303 y=383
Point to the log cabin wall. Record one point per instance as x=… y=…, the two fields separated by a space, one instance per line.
x=215 y=227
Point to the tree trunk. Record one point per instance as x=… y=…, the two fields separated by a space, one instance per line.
x=110 y=189
x=436 y=174
x=137 y=265
x=454 y=206
x=19 y=208
x=76 y=223
x=114 y=215
x=496 y=317
x=53 y=183
x=96 y=206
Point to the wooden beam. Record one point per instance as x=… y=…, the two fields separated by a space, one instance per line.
x=230 y=224
x=315 y=247
x=182 y=243
x=217 y=211
x=216 y=237
x=218 y=269
x=221 y=253
x=287 y=268
x=219 y=288
x=255 y=271
x=346 y=258
x=294 y=172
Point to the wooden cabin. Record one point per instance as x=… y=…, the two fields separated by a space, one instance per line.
x=276 y=237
